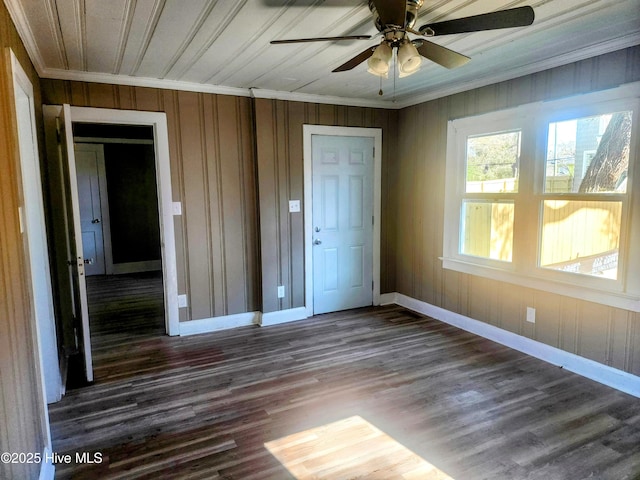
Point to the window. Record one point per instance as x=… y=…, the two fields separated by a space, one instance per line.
x=541 y=196
x=491 y=180
x=581 y=232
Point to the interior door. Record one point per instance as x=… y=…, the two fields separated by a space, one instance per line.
x=35 y=230
x=91 y=190
x=76 y=259
x=342 y=183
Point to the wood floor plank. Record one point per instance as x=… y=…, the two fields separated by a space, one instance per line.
x=429 y=401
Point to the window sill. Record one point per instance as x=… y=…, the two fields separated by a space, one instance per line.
x=590 y=294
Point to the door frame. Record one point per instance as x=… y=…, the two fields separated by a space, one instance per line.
x=308 y=131
x=43 y=333
x=157 y=120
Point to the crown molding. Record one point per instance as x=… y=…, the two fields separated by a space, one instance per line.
x=22 y=26
x=26 y=35
x=557 y=61
x=325 y=99
x=94 y=77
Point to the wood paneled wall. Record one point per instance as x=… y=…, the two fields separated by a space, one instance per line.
x=604 y=334
x=236 y=242
x=228 y=262
x=21 y=405
x=279 y=141
x=213 y=174
x=214 y=140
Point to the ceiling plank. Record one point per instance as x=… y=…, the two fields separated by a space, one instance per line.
x=102 y=20
x=73 y=30
x=208 y=45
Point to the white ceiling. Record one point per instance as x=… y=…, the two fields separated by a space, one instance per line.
x=223 y=46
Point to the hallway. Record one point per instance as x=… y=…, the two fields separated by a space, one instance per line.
x=124 y=311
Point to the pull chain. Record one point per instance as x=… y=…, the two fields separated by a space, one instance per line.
x=395 y=74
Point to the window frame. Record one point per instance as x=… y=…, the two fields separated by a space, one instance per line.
x=525 y=269
x=495 y=124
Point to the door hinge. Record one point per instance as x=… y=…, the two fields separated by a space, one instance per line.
x=373 y=285
x=373 y=220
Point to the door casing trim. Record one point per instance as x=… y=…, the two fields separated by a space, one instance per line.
x=158 y=120
x=376 y=133
x=43 y=331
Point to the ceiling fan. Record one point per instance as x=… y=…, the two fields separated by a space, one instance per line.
x=395 y=19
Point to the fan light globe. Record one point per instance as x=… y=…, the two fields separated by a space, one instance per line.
x=408 y=59
x=379 y=61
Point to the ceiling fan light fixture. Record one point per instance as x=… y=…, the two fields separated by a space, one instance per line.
x=379 y=61
x=409 y=59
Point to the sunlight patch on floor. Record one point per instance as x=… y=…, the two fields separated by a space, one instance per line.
x=348 y=449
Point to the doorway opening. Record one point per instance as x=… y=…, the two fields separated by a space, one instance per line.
x=112 y=131
x=119 y=218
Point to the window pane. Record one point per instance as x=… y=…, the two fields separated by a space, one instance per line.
x=487 y=229
x=493 y=162
x=589 y=155
x=581 y=237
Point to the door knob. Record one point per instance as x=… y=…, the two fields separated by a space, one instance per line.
x=95 y=220
x=317 y=241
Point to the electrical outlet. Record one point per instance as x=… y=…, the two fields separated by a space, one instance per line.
x=294 y=206
x=531 y=315
x=182 y=301
x=281 y=291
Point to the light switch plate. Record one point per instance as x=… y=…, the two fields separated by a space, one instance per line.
x=182 y=301
x=531 y=315
x=177 y=208
x=280 y=291
x=294 y=206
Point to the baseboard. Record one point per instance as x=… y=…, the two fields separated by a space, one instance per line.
x=64 y=371
x=137 y=267
x=388 y=298
x=214 y=324
x=596 y=371
x=283 y=316
x=47 y=468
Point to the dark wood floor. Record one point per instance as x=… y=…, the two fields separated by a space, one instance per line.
x=125 y=312
x=377 y=393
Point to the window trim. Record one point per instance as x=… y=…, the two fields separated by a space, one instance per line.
x=524 y=269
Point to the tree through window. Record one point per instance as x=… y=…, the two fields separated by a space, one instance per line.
x=607 y=171
x=541 y=195
x=588 y=156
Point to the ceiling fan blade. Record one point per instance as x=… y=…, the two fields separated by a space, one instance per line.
x=513 y=17
x=441 y=55
x=355 y=61
x=391 y=12
x=321 y=39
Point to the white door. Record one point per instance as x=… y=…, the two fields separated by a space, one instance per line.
x=34 y=228
x=342 y=197
x=76 y=261
x=91 y=193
